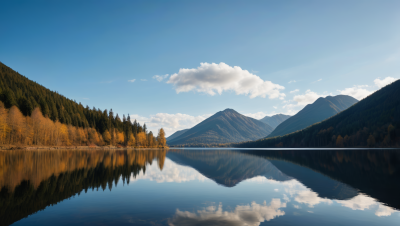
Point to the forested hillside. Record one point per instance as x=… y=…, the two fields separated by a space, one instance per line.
x=223 y=127
x=372 y=122
x=26 y=95
x=321 y=109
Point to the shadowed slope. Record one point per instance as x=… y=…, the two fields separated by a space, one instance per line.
x=318 y=111
x=176 y=134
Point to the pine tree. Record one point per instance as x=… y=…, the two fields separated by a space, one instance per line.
x=8 y=98
x=25 y=106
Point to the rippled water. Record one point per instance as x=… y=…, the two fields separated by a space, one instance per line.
x=200 y=187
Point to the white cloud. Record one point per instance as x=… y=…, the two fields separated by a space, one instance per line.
x=319 y=80
x=384 y=82
x=292 y=81
x=384 y=211
x=291 y=109
x=307 y=98
x=160 y=77
x=358 y=92
x=216 y=78
x=296 y=206
x=275 y=107
x=286 y=198
x=132 y=80
x=257 y=115
x=311 y=198
x=294 y=91
x=170 y=122
x=249 y=215
x=359 y=202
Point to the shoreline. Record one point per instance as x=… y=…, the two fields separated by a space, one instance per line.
x=12 y=147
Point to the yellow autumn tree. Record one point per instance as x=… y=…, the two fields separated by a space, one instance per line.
x=82 y=136
x=37 y=119
x=63 y=133
x=3 y=123
x=141 y=139
x=107 y=137
x=72 y=134
x=162 y=142
x=131 y=140
x=16 y=123
x=120 y=137
x=93 y=136
x=339 y=141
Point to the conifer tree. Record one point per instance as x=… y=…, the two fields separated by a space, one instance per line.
x=8 y=98
x=25 y=106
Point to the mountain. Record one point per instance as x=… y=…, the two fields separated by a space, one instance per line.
x=226 y=167
x=176 y=134
x=321 y=109
x=274 y=120
x=223 y=127
x=372 y=122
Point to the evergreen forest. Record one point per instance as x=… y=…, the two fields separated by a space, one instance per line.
x=31 y=114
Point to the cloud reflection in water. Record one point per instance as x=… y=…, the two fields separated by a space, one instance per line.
x=254 y=213
x=171 y=172
x=247 y=215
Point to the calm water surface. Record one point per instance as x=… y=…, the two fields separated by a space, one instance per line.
x=200 y=187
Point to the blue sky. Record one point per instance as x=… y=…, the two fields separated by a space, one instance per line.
x=269 y=56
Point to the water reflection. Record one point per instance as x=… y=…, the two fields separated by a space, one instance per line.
x=33 y=180
x=372 y=172
x=226 y=167
x=250 y=215
x=203 y=187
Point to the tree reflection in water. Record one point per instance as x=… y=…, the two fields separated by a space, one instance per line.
x=32 y=180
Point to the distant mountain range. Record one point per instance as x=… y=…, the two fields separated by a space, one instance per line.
x=274 y=120
x=372 y=122
x=318 y=111
x=226 y=126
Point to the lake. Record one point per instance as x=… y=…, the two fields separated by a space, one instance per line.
x=200 y=187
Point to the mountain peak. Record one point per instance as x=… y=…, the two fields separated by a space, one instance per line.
x=229 y=110
x=225 y=126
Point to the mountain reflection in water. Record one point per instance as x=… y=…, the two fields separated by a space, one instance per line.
x=207 y=186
